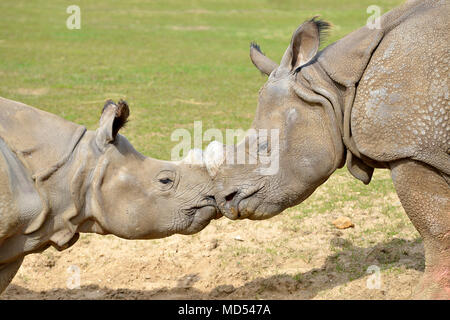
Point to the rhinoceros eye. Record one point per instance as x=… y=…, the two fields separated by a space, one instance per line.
x=264 y=146
x=165 y=179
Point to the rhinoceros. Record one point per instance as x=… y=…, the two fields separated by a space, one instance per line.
x=377 y=98
x=58 y=179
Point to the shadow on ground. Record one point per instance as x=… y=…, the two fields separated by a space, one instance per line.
x=348 y=263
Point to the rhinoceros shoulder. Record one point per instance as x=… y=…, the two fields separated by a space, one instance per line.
x=401 y=108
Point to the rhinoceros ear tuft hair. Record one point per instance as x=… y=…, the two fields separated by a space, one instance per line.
x=122 y=113
x=323 y=27
x=256 y=46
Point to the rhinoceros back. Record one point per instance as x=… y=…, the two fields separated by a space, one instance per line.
x=38 y=138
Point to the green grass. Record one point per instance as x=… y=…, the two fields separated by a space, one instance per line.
x=174 y=61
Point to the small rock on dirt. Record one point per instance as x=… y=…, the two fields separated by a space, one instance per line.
x=214 y=243
x=238 y=238
x=343 y=223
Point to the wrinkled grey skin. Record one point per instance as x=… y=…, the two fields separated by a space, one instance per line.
x=57 y=180
x=374 y=99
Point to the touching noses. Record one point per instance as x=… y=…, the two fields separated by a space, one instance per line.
x=228 y=204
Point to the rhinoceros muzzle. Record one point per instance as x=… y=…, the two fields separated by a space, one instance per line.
x=230 y=204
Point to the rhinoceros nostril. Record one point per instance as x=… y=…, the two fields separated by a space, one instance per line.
x=210 y=200
x=231 y=196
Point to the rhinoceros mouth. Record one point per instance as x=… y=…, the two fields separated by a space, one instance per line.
x=208 y=201
x=201 y=217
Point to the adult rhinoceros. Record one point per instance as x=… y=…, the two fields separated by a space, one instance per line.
x=378 y=98
x=58 y=179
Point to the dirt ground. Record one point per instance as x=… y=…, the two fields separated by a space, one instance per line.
x=298 y=254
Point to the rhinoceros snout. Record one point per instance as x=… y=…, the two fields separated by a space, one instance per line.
x=228 y=204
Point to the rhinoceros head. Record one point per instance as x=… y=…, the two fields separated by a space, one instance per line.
x=137 y=197
x=308 y=148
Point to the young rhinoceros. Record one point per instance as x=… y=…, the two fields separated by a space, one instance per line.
x=58 y=179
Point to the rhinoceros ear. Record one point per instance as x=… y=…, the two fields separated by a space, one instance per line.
x=113 y=118
x=263 y=63
x=304 y=44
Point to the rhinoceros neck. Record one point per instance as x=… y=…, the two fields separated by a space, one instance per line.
x=44 y=216
x=330 y=94
x=86 y=174
x=320 y=82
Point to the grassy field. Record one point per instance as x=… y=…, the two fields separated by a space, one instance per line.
x=174 y=61
x=177 y=62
